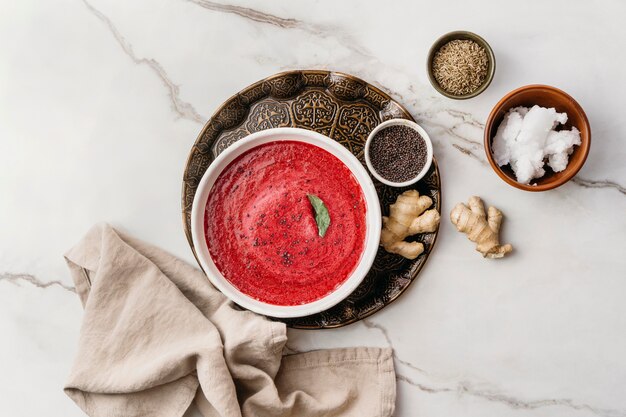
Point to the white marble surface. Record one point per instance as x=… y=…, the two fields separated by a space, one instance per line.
x=100 y=102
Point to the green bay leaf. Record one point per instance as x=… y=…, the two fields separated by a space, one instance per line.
x=322 y=218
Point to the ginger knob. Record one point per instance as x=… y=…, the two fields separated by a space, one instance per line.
x=482 y=229
x=408 y=216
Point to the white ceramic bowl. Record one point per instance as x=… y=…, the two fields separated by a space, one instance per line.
x=372 y=217
x=418 y=129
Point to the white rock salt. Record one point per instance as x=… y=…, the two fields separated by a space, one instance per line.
x=526 y=138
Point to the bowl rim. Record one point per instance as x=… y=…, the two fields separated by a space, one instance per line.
x=460 y=34
x=399 y=122
x=372 y=216
x=584 y=146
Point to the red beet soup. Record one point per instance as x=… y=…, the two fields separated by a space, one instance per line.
x=261 y=230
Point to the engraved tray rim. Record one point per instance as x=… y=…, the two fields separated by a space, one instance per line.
x=434 y=168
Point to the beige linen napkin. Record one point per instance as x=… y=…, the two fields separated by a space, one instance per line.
x=156 y=335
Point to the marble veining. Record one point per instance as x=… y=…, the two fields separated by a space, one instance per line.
x=285 y=23
x=101 y=101
x=181 y=107
x=27 y=278
x=467 y=388
x=599 y=184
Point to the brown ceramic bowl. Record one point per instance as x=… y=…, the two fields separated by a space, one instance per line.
x=544 y=96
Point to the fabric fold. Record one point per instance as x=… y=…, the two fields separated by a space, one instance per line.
x=156 y=335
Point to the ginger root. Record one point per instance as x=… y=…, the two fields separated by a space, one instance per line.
x=408 y=216
x=484 y=230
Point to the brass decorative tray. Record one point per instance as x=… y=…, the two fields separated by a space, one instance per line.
x=346 y=109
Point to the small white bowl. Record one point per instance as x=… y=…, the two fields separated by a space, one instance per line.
x=373 y=221
x=418 y=129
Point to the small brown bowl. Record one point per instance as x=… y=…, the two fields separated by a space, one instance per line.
x=460 y=35
x=544 y=96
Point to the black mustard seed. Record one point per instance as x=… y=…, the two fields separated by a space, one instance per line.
x=398 y=153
